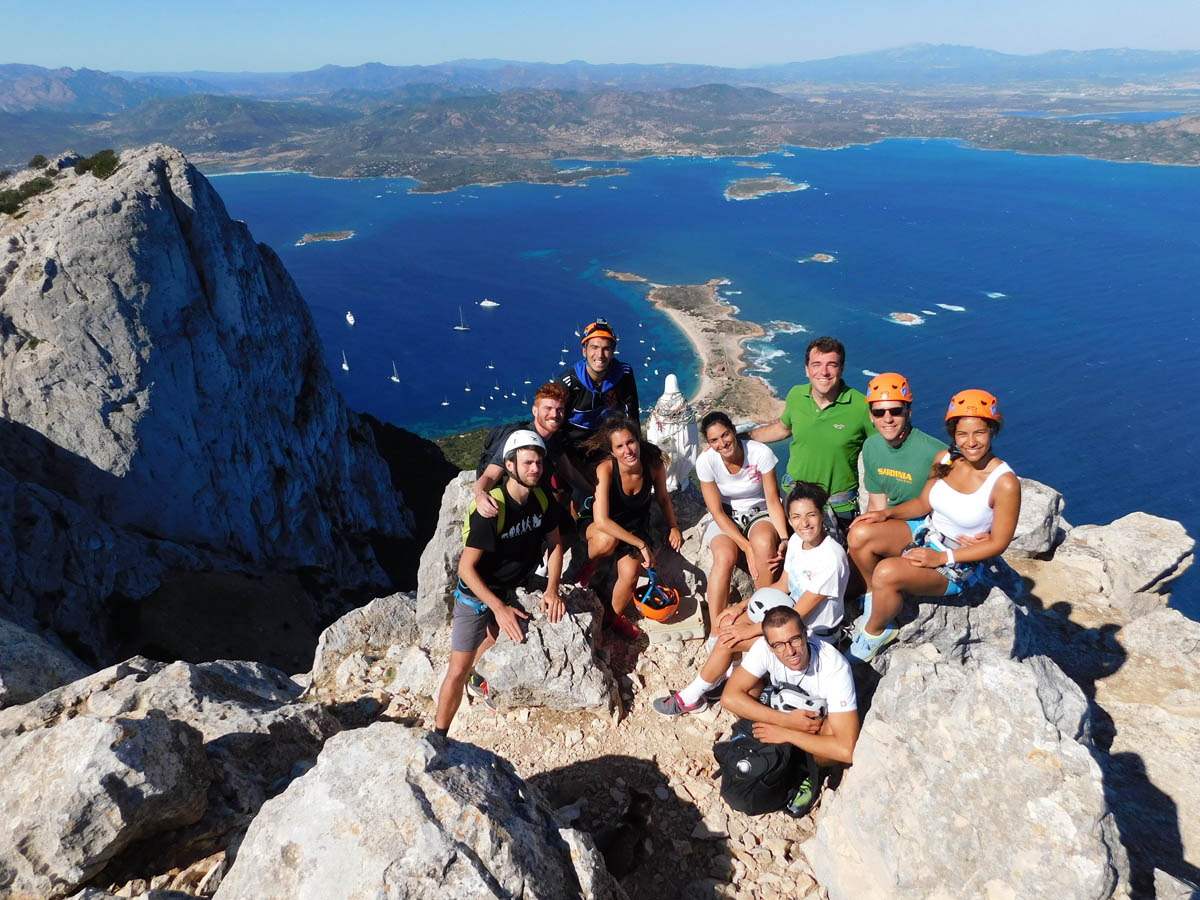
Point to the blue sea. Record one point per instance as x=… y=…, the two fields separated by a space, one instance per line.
x=1066 y=286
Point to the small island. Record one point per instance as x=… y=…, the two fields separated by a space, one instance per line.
x=751 y=188
x=905 y=318
x=315 y=236
x=716 y=334
x=754 y=164
x=822 y=258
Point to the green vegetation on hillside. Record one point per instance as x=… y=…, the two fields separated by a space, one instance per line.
x=463 y=449
x=11 y=200
x=100 y=164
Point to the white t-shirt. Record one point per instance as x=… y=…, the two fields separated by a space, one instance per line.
x=823 y=570
x=827 y=676
x=743 y=490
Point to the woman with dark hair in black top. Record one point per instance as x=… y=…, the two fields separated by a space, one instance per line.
x=619 y=511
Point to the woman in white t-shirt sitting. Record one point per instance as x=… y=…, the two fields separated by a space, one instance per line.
x=745 y=515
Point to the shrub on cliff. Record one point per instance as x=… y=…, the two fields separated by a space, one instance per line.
x=37 y=162
x=11 y=200
x=100 y=164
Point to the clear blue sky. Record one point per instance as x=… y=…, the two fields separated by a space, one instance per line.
x=223 y=35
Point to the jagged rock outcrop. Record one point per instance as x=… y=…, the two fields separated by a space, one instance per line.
x=371 y=630
x=971 y=776
x=556 y=664
x=31 y=664
x=438 y=572
x=75 y=795
x=1139 y=553
x=250 y=732
x=161 y=371
x=450 y=822
x=1040 y=526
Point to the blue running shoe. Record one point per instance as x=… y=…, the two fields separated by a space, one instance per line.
x=864 y=647
x=866 y=613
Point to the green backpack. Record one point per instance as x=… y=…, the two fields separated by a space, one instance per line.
x=497 y=494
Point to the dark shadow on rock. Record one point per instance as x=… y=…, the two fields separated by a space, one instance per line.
x=1147 y=818
x=646 y=839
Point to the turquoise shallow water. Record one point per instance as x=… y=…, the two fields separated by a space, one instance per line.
x=1069 y=289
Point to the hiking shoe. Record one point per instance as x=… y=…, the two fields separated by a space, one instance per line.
x=477 y=688
x=866 y=613
x=804 y=798
x=671 y=706
x=864 y=647
x=625 y=628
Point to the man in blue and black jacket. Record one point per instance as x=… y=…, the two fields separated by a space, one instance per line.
x=597 y=385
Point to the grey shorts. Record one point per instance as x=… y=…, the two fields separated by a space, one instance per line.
x=470 y=625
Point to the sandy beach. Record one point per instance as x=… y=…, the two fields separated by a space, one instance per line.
x=716 y=334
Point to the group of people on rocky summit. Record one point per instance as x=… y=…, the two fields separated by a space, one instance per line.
x=934 y=513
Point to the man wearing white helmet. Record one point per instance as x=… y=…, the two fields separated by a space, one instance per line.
x=499 y=553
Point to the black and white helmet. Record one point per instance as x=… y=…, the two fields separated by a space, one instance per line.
x=786 y=698
x=764 y=600
x=521 y=439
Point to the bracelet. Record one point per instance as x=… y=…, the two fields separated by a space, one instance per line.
x=949 y=557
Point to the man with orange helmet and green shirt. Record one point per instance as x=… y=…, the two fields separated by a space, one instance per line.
x=896 y=464
x=827 y=423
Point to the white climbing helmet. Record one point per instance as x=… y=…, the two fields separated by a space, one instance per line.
x=523 y=438
x=763 y=600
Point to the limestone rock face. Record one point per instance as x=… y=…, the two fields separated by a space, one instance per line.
x=1040 y=527
x=556 y=664
x=163 y=372
x=373 y=629
x=438 y=573
x=75 y=795
x=970 y=774
x=30 y=665
x=246 y=716
x=439 y=824
x=1140 y=553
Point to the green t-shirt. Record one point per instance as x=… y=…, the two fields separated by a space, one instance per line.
x=826 y=442
x=900 y=472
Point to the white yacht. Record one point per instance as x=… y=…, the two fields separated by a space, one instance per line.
x=349 y=317
x=395 y=376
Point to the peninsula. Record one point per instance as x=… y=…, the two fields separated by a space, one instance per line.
x=315 y=236
x=716 y=334
x=750 y=188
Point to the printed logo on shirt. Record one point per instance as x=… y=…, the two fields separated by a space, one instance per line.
x=753 y=474
x=843 y=703
x=895 y=473
x=524 y=527
x=838 y=425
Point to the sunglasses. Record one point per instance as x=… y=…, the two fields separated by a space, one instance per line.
x=896 y=411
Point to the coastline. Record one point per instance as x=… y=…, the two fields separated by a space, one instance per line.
x=717 y=336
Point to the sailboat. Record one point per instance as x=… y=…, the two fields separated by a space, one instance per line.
x=490 y=365
x=527 y=381
x=345 y=365
x=395 y=376
x=445 y=400
x=577 y=331
x=524 y=399
x=468 y=387
x=349 y=317
x=462 y=323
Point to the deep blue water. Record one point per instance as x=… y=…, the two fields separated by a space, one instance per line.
x=1091 y=348
x=1144 y=115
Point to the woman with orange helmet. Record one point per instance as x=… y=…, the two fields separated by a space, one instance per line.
x=970 y=506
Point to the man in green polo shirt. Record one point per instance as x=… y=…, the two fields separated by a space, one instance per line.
x=827 y=423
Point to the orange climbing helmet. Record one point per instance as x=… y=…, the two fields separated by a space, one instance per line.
x=600 y=328
x=977 y=403
x=658 y=602
x=889 y=386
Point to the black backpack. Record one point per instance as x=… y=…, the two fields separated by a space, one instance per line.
x=494 y=443
x=757 y=778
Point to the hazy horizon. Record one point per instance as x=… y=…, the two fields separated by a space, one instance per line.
x=226 y=37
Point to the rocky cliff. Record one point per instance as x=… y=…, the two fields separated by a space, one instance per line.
x=166 y=408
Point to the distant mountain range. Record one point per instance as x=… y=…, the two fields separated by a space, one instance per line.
x=31 y=88
x=467 y=121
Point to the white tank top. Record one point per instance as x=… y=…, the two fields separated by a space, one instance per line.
x=956 y=513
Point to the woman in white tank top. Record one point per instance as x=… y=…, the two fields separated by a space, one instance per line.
x=970 y=506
